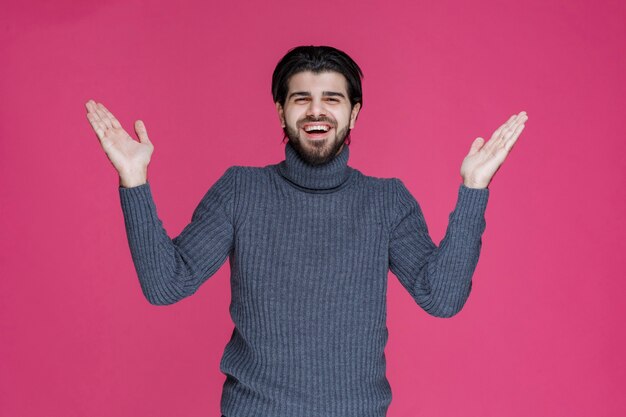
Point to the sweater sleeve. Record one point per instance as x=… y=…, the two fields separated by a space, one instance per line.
x=439 y=278
x=172 y=269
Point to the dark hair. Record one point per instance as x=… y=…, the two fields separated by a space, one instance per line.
x=316 y=59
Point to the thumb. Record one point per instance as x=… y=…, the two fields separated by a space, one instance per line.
x=141 y=131
x=476 y=145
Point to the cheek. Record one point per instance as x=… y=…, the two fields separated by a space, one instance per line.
x=292 y=117
x=345 y=119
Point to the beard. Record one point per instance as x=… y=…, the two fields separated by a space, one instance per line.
x=321 y=151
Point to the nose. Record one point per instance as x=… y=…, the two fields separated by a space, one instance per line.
x=316 y=108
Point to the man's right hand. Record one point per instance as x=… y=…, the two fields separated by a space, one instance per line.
x=129 y=157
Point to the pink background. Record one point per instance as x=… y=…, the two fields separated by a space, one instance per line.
x=543 y=331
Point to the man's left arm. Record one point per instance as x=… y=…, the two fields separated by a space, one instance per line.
x=439 y=278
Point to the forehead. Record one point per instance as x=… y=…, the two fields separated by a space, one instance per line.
x=323 y=81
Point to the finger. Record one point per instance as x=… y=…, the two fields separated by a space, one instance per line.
x=512 y=130
x=91 y=105
x=496 y=137
x=91 y=108
x=114 y=122
x=505 y=131
x=141 y=131
x=95 y=124
x=94 y=119
x=103 y=116
x=514 y=118
x=509 y=125
x=508 y=145
x=476 y=145
x=503 y=126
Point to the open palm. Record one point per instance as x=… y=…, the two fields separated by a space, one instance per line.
x=128 y=156
x=484 y=159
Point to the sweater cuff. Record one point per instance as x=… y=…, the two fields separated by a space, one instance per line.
x=137 y=204
x=471 y=205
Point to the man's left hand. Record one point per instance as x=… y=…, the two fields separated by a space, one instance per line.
x=484 y=159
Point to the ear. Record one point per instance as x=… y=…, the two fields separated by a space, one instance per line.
x=354 y=114
x=281 y=114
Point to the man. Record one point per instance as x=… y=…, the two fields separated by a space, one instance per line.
x=310 y=242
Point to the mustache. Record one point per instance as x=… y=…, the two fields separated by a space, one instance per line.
x=316 y=120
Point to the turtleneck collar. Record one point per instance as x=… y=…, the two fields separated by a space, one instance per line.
x=325 y=177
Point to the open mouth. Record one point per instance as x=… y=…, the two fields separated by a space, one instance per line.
x=316 y=130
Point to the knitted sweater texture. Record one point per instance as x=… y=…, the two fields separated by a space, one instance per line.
x=309 y=248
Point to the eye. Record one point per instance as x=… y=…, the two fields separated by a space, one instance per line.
x=301 y=99
x=333 y=99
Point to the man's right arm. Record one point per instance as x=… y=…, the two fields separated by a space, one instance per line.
x=172 y=269
x=168 y=269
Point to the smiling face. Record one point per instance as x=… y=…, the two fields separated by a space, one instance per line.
x=317 y=115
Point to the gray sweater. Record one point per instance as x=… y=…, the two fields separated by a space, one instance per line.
x=309 y=249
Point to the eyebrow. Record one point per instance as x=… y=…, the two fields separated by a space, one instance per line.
x=324 y=94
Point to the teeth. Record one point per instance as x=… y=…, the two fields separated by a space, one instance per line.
x=317 y=127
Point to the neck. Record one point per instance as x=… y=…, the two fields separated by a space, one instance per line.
x=324 y=177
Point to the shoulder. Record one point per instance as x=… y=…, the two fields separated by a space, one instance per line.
x=245 y=173
x=385 y=185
